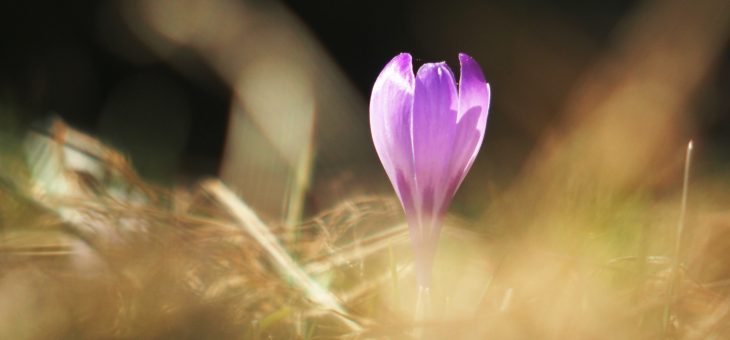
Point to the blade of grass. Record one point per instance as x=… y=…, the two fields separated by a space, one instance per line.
x=678 y=242
x=298 y=187
x=277 y=316
x=354 y=251
x=253 y=225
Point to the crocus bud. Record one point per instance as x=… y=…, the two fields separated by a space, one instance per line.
x=427 y=135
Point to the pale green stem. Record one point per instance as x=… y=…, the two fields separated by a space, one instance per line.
x=423 y=307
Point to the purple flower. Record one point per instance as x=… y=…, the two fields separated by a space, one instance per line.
x=427 y=135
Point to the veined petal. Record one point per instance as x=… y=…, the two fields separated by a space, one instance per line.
x=391 y=105
x=474 y=94
x=473 y=90
x=427 y=136
x=435 y=104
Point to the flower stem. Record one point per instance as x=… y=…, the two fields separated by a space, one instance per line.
x=423 y=306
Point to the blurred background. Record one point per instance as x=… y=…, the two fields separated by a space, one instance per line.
x=572 y=224
x=174 y=85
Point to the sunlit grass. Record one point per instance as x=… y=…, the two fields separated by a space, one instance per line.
x=581 y=243
x=123 y=258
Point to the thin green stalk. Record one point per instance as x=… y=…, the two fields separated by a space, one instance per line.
x=678 y=242
x=299 y=182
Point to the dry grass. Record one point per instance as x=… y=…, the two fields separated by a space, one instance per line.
x=89 y=250
x=582 y=244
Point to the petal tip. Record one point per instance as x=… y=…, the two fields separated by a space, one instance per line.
x=403 y=57
x=470 y=69
x=398 y=71
x=463 y=57
x=404 y=62
x=427 y=70
x=401 y=63
x=467 y=61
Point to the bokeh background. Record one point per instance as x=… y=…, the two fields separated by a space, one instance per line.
x=164 y=94
x=573 y=223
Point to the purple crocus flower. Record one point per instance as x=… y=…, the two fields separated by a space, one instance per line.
x=427 y=136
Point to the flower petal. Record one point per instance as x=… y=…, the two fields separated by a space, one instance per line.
x=471 y=123
x=473 y=90
x=435 y=104
x=391 y=105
